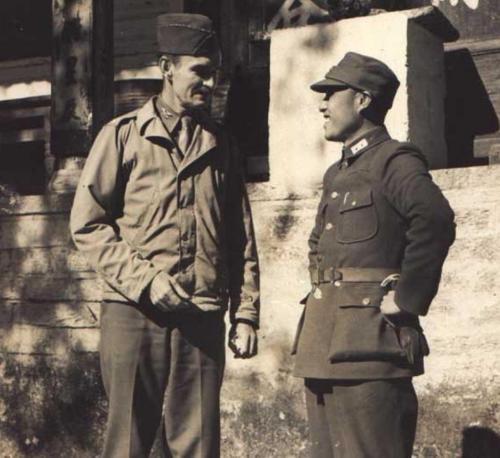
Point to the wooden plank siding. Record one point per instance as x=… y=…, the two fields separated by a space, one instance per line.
x=134 y=42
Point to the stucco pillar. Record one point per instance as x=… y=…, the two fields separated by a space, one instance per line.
x=410 y=42
x=82 y=83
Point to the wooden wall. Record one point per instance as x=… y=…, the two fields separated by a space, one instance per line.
x=473 y=80
x=134 y=41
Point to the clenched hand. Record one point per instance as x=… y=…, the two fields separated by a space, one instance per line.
x=243 y=340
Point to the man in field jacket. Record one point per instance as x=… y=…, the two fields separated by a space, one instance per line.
x=382 y=233
x=162 y=214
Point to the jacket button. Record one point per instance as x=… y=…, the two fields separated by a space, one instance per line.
x=366 y=301
x=353 y=203
x=329 y=226
x=337 y=283
x=334 y=194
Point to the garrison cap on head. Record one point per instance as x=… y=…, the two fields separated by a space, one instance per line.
x=363 y=73
x=185 y=34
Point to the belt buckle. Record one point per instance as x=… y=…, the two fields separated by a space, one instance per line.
x=390 y=281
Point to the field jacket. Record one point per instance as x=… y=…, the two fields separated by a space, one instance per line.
x=139 y=212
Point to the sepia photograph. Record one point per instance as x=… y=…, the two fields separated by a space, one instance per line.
x=250 y=228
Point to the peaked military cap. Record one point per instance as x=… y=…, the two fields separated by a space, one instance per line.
x=363 y=73
x=185 y=34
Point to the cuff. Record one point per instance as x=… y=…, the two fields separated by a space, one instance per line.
x=415 y=295
x=251 y=323
x=245 y=313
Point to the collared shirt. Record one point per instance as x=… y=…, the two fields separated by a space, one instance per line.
x=169 y=117
x=138 y=213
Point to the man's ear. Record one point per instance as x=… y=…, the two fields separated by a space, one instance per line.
x=364 y=100
x=166 y=66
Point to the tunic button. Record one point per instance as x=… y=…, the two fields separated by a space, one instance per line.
x=353 y=203
x=337 y=283
x=366 y=301
x=334 y=194
x=329 y=226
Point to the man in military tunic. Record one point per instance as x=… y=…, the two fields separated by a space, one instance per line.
x=382 y=233
x=162 y=215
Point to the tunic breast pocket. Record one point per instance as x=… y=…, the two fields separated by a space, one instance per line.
x=357 y=220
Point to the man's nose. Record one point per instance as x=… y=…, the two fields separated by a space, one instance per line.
x=322 y=106
x=210 y=82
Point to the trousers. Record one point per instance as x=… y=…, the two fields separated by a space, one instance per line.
x=361 y=419
x=161 y=369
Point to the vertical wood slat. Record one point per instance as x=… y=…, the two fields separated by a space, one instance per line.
x=102 y=64
x=71 y=111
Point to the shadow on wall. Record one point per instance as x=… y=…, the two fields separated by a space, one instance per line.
x=51 y=397
x=469 y=111
x=480 y=442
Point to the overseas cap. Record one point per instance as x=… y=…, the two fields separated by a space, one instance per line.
x=363 y=73
x=185 y=34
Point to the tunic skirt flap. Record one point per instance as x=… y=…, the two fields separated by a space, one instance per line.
x=361 y=332
x=359 y=295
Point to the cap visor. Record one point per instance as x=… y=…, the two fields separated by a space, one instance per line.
x=327 y=85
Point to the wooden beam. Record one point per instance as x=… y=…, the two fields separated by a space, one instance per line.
x=82 y=83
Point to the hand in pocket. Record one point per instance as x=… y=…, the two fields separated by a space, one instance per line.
x=166 y=294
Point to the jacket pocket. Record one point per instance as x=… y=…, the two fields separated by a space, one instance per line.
x=357 y=219
x=361 y=331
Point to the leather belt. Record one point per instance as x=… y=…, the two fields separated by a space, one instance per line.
x=350 y=274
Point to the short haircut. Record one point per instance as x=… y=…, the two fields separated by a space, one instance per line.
x=174 y=58
x=376 y=112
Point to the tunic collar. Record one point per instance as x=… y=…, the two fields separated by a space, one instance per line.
x=363 y=143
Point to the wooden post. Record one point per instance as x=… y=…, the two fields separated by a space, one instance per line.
x=82 y=83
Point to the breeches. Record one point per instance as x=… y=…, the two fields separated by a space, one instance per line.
x=361 y=419
x=158 y=365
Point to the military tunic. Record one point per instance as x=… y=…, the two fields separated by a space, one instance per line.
x=380 y=213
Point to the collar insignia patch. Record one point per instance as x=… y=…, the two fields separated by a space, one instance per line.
x=359 y=146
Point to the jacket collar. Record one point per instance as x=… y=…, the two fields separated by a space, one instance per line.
x=363 y=143
x=204 y=136
x=149 y=123
x=169 y=117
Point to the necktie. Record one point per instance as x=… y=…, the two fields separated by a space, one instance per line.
x=185 y=134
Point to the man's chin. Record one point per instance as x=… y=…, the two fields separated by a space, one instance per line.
x=331 y=137
x=201 y=104
x=197 y=106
